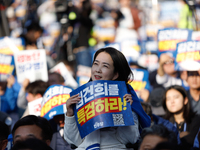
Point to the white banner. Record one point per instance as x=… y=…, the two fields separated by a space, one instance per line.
x=31 y=64
x=34 y=107
x=69 y=80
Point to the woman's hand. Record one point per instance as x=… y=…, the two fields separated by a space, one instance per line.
x=25 y=84
x=69 y=104
x=128 y=98
x=10 y=81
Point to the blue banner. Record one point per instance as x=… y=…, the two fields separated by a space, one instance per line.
x=7 y=66
x=187 y=55
x=141 y=80
x=102 y=105
x=169 y=37
x=54 y=101
x=7 y=43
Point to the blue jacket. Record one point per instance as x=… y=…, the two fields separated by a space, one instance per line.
x=196 y=141
x=168 y=124
x=144 y=119
x=8 y=101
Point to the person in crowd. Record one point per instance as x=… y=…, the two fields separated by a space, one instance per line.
x=31 y=144
x=193 y=80
x=155 y=134
x=196 y=140
x=178 y=111
x=58 y=142
x=21 y=100
x=155 y=119
x=4 y=28
x=186 y=16
x=57 y=123
x=168 y=146
x=128 y=25
x=8 y=97
x=34 y=31
x=108 y=64
x=166 y=75
x=55 y=78
x=71 y=66
x=81 y=23
x=4 y=132
x=34 y=90
x=32 y=126
x=4 y=117
x=155 y=100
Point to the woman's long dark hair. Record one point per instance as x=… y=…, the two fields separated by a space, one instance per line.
x=120 y=63
x=187 y=112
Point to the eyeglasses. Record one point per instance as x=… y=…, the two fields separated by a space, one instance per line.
x=169 y=62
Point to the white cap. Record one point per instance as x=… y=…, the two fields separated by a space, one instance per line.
x=190 y=65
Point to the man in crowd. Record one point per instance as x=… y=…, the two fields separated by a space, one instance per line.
x=32 y=127
x=193 y=81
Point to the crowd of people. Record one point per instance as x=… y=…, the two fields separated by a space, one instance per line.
x=166 y=115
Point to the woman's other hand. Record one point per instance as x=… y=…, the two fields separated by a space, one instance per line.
x=128 y=98
x=69 y=104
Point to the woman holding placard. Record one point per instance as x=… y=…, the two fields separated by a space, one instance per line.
x=108 y=64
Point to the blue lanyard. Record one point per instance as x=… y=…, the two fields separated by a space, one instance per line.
x=184 y=128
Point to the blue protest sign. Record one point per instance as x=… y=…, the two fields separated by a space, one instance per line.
x=7 y=66
x=54 y=101
x=9 y=44
x=102 y=105
x=187 y=56
x=169 y=37
x=141 y=80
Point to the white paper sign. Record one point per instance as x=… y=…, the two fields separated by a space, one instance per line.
x=69 y=80
x=34 y=107
x=31 y=64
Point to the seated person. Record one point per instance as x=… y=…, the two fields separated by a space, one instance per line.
x=34 y=90
x=31 y=144
x=155 y=134
x=32 y=127
x=4 y=132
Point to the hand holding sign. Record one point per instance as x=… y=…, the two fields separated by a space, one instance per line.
x=11 y=81
x=70 y=102
x=25 y=84
x=128 y=98
x=103 y=102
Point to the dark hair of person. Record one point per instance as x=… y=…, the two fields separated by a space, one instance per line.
x=54 y=80
x=37 y=87
x=86 y=8
x=34 y=26
x=3 y=85
x=147 y=108
x=121 y=65
x=187 y=112
x=4 y=131
x=31 y=144
x=41 y=122
x=161 y=131
x=167 y=146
